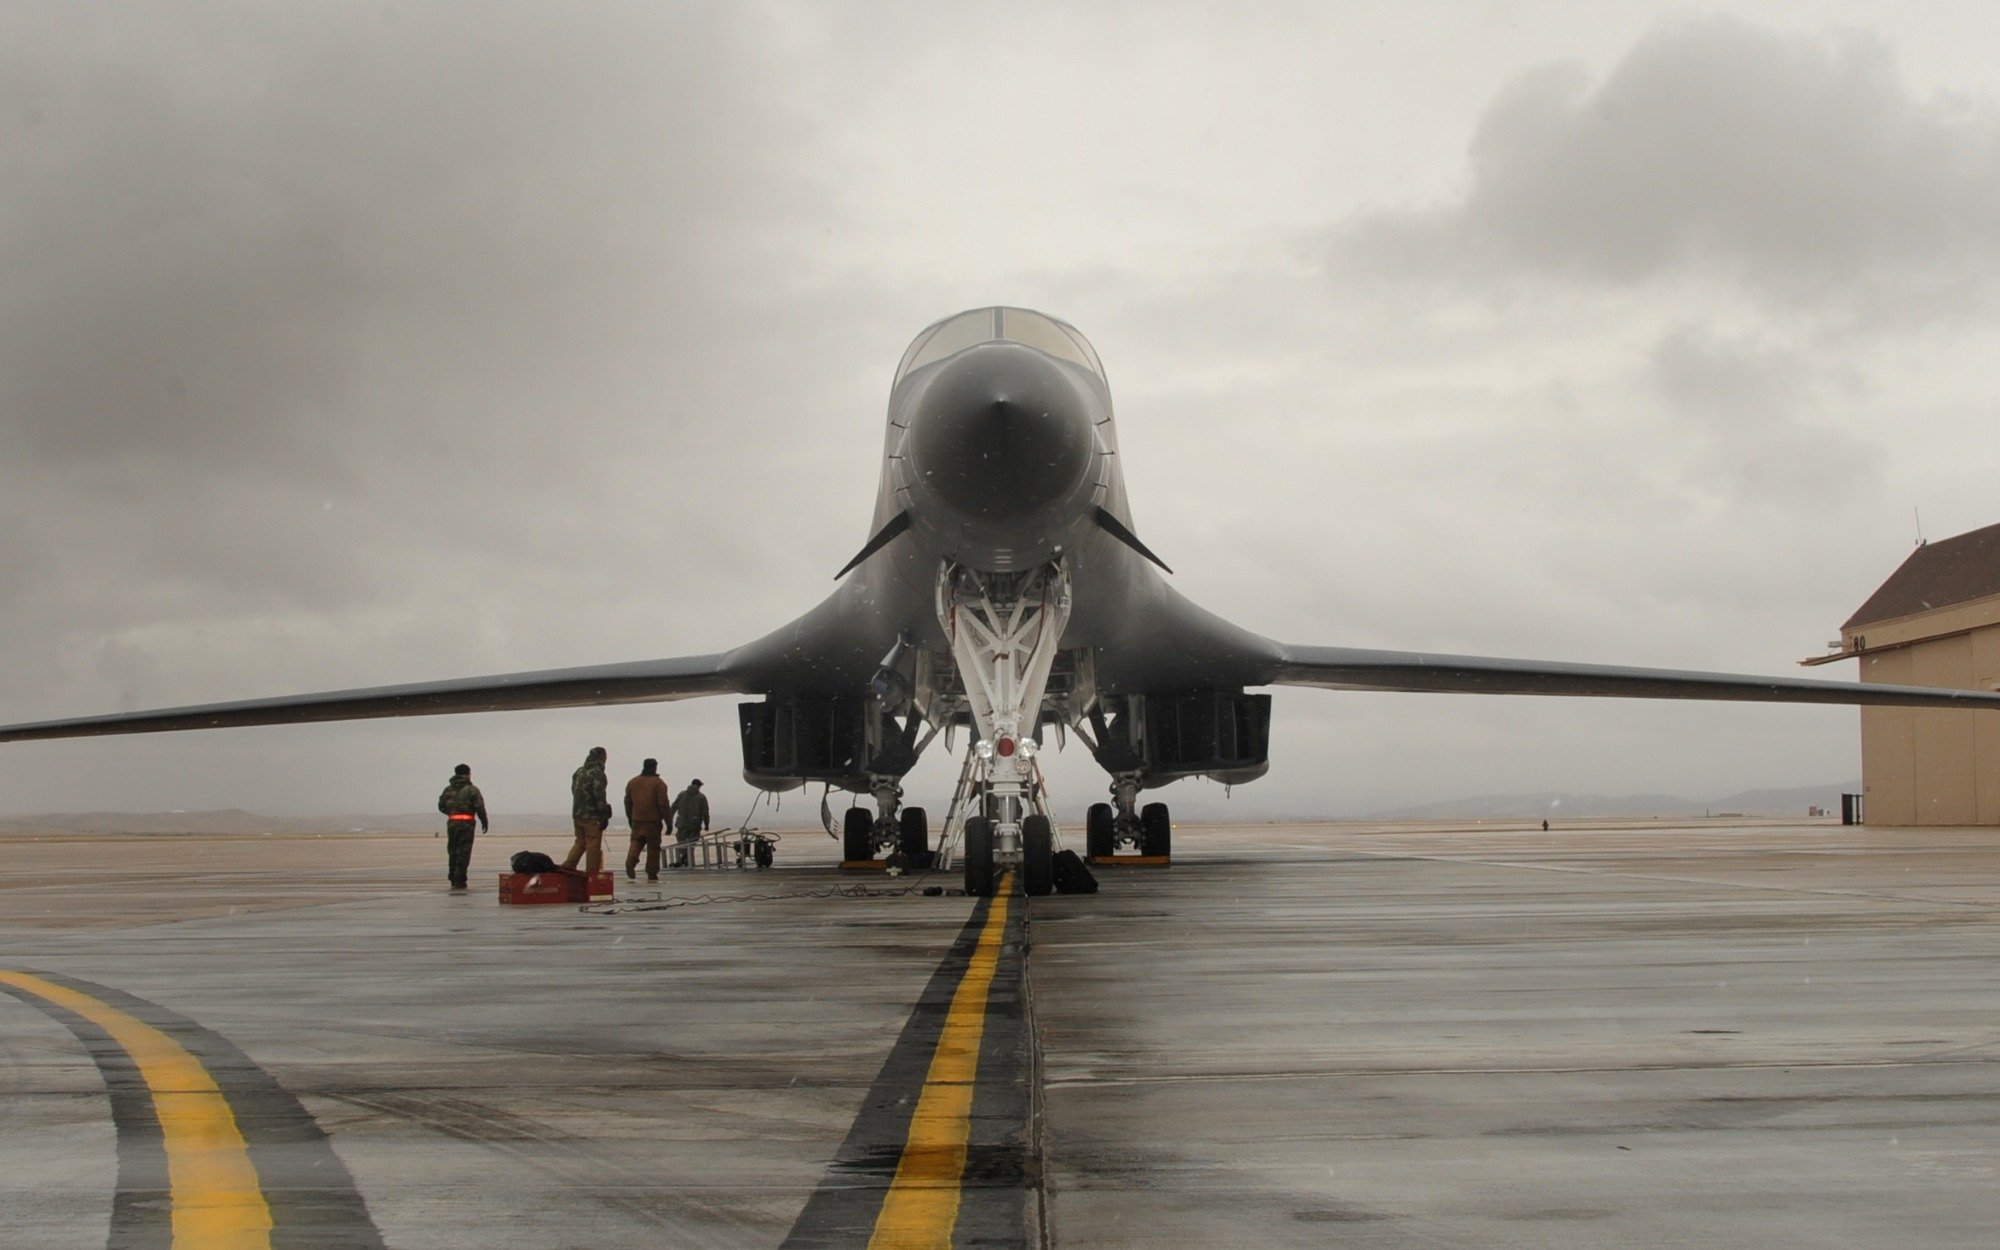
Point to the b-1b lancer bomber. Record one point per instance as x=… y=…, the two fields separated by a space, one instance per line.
x=1005 y=589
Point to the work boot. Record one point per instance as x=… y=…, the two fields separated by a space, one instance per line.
x=629 y=876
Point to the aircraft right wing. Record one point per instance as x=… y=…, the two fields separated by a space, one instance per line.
x=643 y=681
x=1349 y=668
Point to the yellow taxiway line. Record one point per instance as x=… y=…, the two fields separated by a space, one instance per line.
x=921 y=1207
x=217 y=1201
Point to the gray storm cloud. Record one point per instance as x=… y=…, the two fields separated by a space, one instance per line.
x=1751 y=405
x=228 y=241
x=1796 y=163
x=291 y=294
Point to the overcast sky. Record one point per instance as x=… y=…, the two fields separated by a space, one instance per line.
x=343 y=345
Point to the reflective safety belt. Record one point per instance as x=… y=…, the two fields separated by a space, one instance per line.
x=459 y=816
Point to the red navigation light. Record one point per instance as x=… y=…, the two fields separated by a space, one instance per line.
x=1005 y=746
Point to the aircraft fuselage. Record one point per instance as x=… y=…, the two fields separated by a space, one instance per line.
x=1001 y=457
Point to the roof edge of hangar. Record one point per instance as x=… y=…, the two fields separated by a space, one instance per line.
x=1936 y=575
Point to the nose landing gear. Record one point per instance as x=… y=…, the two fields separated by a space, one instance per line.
x=1005 y=629
x=1000 y=818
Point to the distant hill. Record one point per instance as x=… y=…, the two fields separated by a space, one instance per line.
x=1551 y=804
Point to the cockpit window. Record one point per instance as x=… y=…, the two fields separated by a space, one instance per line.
x=949 y=337
x=983 y=325
x=1049 y=335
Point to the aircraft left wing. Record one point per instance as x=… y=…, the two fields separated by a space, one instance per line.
x=642 y=681
x=1348 y=668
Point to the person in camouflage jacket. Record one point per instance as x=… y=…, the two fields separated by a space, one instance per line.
x=690 y=816
x=589 y=811
x=461 y=804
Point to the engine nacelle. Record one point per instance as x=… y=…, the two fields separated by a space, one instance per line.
x=792 y=739
x=1223 y=734
x=841 y=740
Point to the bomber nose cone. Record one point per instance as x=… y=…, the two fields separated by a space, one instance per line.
x=1001 y=433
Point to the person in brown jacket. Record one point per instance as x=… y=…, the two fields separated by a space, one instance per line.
x=646 y=803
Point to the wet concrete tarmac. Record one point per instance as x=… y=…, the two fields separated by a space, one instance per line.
x=1717 y=1034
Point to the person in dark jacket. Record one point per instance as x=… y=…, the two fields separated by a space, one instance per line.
x=690 y=820
x=461 y=804
x=647 y=802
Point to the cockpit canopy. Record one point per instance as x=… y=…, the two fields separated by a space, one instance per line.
x=984 y=325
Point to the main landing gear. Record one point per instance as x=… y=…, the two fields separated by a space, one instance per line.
x=1122 y=825
x=863 y=839
x=891 y=830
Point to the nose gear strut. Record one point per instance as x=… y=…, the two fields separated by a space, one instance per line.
x=1005 y=630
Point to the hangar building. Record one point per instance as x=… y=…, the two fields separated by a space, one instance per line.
x=1935 y=622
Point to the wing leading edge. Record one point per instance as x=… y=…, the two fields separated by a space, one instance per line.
x=643 y=681
x=1347 y=668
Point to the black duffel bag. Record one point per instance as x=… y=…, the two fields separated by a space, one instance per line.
x=532 y=861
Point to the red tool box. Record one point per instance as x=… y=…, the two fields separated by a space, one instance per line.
x=560 y=886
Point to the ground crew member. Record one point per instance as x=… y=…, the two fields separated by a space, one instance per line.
x=589 y=812
x=461 y=804
x=647 y=801
x=690 y=820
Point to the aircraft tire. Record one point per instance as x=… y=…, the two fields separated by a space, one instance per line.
x=1038 y=853
x=978 y=850
x=913 y=828
x=1100 y=830
x=1156 y=830
x=857 y=834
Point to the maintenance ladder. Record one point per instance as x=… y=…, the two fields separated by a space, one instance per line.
x=731 y=848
